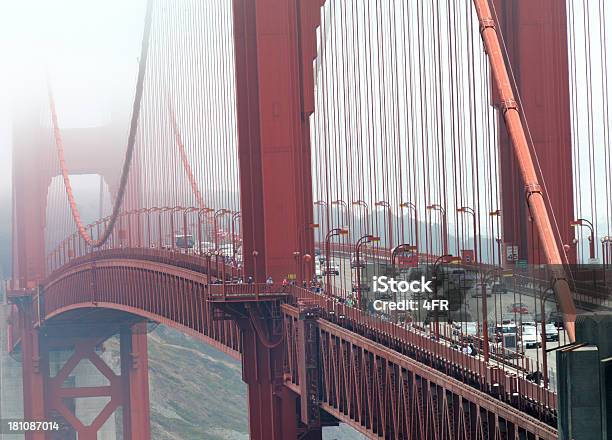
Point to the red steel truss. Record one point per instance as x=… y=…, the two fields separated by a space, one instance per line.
x=308 y=360
x=370 y=370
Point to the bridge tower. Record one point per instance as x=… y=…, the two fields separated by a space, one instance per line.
x=536 y=39
x=275 y=46
x=92 y=150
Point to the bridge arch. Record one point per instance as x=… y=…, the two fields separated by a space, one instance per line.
x=127 y=287
x=144 y=283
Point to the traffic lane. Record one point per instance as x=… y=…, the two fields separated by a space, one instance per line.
x=496 y=303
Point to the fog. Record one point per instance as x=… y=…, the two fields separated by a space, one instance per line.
x=87 y=49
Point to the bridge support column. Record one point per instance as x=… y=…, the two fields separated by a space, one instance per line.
x=33 y=370
x=67 y=380
x=135 y=374
x=535 y=34
x=272 y=408
x=275 y=44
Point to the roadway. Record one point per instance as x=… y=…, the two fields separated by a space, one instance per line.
x=499 y=305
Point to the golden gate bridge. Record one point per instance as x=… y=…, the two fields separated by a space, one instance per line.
x=279 y=153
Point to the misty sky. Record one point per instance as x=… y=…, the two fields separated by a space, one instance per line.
x=89 y=50
x=87 y=47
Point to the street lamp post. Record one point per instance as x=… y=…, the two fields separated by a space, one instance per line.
x=218 y=213
x=256 y=274
x=223 y=275
x=208 y=267
x=497 y=213
x=332 y=233
x=499 y=247
x=397 y=249
x=394 y=252
x=438 y=207
x=362 y=240
x=605 y=254
x=434 y=276
x=605 y=244
x=307 y=260
x=200 y=240
x=468 y=210
x=586 y=223
x=485 y=314
x=236 y=215
x=412 y=206
x=385 y=204
x=549 y=291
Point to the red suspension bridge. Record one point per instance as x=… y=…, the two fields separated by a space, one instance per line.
x=282 y=152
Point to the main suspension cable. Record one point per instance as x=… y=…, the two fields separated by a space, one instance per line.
x=59 y=144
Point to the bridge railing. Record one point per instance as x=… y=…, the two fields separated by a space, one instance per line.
x=499 y=382
x=242 y=290
x=178 y=230
x=383 y=253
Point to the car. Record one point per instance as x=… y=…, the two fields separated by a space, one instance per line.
x=180 y=242
x=184 y=241
x=499 y=288
x=530 y=336
x=556 y=318
x=500 y=330
x=551 y=332
x=478 y=288
x=506 y=348
x=520 y=308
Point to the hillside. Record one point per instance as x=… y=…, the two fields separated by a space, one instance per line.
x=197 y=392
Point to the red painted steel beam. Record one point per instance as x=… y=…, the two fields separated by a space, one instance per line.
x=272 y=409
x=135 y=374
x=176 y=297
x=31 y=176
x=46 y=397
x=127 y=164
x=33 y=372
x=274 y=42
x=388 y=357
x=536 y=39
x=533 y=189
